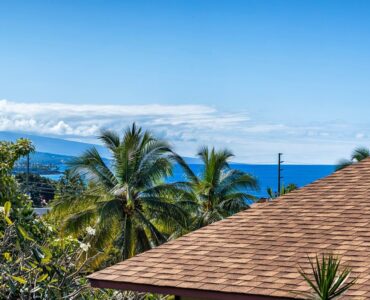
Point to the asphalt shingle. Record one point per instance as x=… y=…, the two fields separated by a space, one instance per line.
x=257 y=251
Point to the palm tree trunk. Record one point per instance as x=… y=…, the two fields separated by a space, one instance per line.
x=127 y=238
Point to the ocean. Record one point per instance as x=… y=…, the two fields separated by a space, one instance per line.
x=266 y=175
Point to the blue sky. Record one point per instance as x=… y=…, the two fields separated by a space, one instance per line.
x=258 y=77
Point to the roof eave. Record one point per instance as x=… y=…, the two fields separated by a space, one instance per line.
x=186 y=292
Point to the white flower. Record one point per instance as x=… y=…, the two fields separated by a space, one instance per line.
x=50 y=228
x=90 y=230
x=84 y=246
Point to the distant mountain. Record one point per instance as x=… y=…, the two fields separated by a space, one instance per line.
x=43 y=158
x=53 y=145
x=49 y=146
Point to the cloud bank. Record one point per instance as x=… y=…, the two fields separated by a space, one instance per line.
x=189 y=126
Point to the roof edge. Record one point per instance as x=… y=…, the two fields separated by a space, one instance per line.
x=186 y=292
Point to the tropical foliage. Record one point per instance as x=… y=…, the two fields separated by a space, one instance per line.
x=40 y=189
x=70 y=185
x=358 y=155
x=123 y=198
x=9 y=153
x=218 y=192
x=36 y=262
x=33 y=263
x=36 y=265
x=327 y=279
x=285 y=189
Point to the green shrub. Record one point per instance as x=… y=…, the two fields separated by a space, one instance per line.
x=34 y=263
x=37 y=265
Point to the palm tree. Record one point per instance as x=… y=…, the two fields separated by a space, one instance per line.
x=123 y=199
x=218 y=192
x=358 y=154
x=328 y=280
x=285 y=189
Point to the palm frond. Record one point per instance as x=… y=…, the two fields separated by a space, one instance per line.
x=79 y=221
x=110 y=139
x=236 y=180
x=216 y=163
x=342 y=164
x=153 y=172
x=174 y=189
x=188 y=171
x=69 y=203
x=142 y=241
x=157 y=237
x=93 y=166
x=158 y=207
x=235 y=202
x=360 y=153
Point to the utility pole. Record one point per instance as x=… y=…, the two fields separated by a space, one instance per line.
x=279 y=172
x=28 y=173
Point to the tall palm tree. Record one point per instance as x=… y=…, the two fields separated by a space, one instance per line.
x=123 y=199
x=358 y=154
x=218 y=192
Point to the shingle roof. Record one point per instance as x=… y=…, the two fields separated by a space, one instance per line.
x=256 y=252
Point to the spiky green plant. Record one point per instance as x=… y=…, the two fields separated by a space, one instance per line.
x=219 y=191
x=357 y=155
x=328 y=280
x=122 y=200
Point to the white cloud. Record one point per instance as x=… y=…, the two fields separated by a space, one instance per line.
x=176 y=122
x=187 y=127
x=360 y=135
x=87 y=120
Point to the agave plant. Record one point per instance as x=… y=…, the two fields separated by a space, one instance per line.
x=218 y=192
x=328 y=280
x=123 y=199
x=358 y=155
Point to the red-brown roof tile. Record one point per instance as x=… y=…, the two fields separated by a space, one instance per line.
x=255 y=254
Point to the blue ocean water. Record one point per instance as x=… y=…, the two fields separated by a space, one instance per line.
x=266 y=175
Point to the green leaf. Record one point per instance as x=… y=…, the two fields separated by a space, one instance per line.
x=47 y=255
x=42 y=278
x=7 y=207
x=19 y=279
x=37 y=254
x=328 y=280
x=7 y=256
x=24 y=233
x=8 y=221
x=34 y=290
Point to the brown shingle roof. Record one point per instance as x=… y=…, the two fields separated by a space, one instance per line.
x=255 y=253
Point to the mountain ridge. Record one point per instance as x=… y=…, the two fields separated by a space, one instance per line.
x=58 y=146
